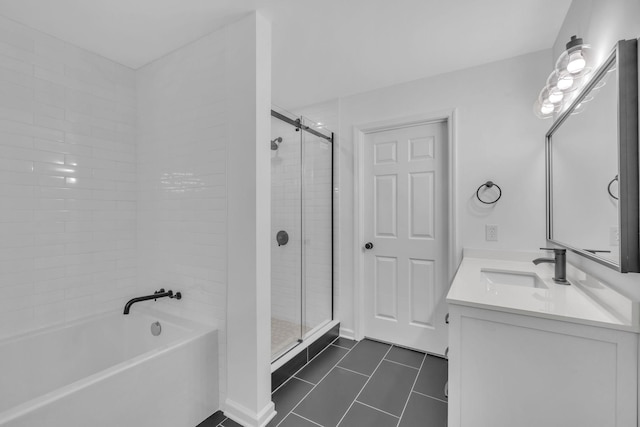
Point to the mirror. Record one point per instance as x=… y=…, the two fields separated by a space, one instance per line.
x=592 y=166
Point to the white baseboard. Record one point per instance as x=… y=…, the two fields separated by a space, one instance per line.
x=347 y=333
x=248 y=418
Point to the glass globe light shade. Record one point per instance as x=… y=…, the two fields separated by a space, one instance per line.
x=543 y=109
x=547 y=108
x=565 y=81
x=576 y=62
x=555 y=96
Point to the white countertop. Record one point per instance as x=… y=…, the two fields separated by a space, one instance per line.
x=585 y=301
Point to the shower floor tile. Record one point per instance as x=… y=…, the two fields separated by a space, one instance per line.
x=284 y=334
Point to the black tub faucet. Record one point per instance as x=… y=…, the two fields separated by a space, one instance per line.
x=560 y=261
x=157 y=294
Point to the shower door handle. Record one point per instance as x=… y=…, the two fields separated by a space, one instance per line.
x=368 y=245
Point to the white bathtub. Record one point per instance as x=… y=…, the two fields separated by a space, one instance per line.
x=109 y=371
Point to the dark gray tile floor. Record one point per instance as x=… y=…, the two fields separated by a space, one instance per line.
x=215 y=420
x=366 y=383
x=360 y=384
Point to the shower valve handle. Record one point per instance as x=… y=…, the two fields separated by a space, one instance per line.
x=368 y=245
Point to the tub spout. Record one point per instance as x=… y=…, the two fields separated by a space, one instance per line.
x=157 y=294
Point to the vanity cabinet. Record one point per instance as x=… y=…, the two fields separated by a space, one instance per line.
x=508 y=369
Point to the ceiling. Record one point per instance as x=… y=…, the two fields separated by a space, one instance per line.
x=322 y=49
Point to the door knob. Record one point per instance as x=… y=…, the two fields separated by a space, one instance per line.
x=368 y=245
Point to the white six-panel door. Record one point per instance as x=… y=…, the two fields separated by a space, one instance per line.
x=405 y=218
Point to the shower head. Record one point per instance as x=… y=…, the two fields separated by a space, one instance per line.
x=275 y=143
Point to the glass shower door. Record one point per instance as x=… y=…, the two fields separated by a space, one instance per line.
x=286 y=241
x=317 y=229
x=301 y=230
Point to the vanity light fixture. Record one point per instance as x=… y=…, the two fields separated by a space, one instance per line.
x=576 y=63
x=576 y=59
x=546 y=108
x=570 y=73
x=565 y=81
x=555 y=95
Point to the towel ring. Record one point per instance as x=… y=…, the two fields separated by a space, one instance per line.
x=609 y=187
x=489 y=184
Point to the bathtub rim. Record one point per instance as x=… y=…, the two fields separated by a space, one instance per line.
x=194 y=331
x=179 y=321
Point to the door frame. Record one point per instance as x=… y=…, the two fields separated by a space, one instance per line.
x=359 y=133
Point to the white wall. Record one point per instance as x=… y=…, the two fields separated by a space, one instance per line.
x=67 y=181
x=248 y=97
x=197 y=107
x=498 y=138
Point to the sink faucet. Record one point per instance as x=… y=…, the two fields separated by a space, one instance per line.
x=560 y=261
x=157 y=294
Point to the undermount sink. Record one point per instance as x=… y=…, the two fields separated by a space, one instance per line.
x=513 y=278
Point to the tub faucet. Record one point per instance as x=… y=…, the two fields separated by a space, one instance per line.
x=560 y=262
x=157 y=294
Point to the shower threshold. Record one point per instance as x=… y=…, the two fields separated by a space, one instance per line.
x=298 y=347
x=291 y=362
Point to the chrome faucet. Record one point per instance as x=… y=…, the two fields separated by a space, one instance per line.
x=560 y=262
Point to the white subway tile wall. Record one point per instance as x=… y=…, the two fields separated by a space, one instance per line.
x=328 y=113
x=286 y=211
x=67 y=181
x=301 y=205
x=113 y=184
x=317 y=229
x=182 y=205
x=182 y=179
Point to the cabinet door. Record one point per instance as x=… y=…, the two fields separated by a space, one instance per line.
x=509 y=370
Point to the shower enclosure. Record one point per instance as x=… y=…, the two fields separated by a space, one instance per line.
x=301 y=230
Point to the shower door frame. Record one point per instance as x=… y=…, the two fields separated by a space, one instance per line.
x=298 y=123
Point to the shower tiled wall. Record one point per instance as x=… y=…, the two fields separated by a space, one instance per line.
x=67 y=181
x=113 y=182
x=182 y=179
x=317 y=229
x=286 y=216
x=291 y=195
x=328 y=113
x=183 y=122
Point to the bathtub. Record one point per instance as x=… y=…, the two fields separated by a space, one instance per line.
x=110 y=370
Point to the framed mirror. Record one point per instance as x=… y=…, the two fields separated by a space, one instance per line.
x=592 y=166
